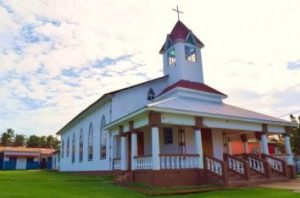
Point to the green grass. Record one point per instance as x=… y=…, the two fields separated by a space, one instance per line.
x=46 y=184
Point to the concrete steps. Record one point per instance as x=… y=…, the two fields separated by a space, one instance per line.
x=235 y=180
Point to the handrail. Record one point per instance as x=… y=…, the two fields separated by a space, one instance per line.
x=258 y=165
x=216 y=167
x=276 y=164
x=179 y=161
x=142 y=156
x=237 y=165
x=179 y=155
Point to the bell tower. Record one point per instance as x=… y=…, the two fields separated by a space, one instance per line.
x=182 y=55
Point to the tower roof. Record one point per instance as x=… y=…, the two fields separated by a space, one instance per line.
x=180 y=33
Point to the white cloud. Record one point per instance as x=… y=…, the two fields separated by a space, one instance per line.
x=248 y=47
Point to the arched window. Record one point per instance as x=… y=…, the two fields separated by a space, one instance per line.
x=80 y=146
x=62 y=148
x=103 y=139
x=90 y=142
x=68 y=146
x=151 y=94
x=73 y=148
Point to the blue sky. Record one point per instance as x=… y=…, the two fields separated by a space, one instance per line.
x=57 y=57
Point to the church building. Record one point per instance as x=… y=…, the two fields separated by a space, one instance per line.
x=175 y=130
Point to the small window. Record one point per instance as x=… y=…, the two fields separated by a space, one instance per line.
x=190 y=54
x=151 y=94
x=168 y=136
x=171 y=57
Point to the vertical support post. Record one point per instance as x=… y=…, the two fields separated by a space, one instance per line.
x=288 y=149
x=264 y=140
x=264 y=144
x=199 y=147
x=124 y=153
x=155 y=148
x=244 y=139
x=133 y=150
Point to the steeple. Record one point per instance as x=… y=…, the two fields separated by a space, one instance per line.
x=182 y=55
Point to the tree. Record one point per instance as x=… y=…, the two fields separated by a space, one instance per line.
x=20 y=140
x=33 y=141
x=7 y=137
x=52 y=142
x=295 y=135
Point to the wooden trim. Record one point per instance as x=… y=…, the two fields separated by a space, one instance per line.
x=198 y=122
x=154 y=118
x=121 y=130
x=131 y=125
x=244 y=138
x=264 y=129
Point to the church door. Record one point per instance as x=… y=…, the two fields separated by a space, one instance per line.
x=207 y=142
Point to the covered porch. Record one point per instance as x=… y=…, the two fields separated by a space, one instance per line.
x=161 y=142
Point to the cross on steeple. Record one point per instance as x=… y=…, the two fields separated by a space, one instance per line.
x=178 y=12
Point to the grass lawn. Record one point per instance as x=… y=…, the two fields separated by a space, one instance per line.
x=53 y=184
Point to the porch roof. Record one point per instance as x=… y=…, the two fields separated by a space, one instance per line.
x=217 y=110
x=196 y=107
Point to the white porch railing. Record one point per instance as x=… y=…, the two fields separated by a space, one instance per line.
x=286 y=157
x=117 y=163
x=143 y=162
x=278 y=165
x=179 y=161
x=214 y=165
x=256 y=164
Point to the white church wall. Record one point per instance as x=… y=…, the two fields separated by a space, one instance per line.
x=218 y=147
x=86 y=165
x=177 y=119
x=276 y=129
x=130 y=100
x=231 y=124
x=174 y=147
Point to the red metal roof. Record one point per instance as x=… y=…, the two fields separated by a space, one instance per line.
x=45 y=151
x=180 y=32
x=194 y=86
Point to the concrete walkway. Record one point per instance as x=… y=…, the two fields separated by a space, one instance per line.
x=287 y=185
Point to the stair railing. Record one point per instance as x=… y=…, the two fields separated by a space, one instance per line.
x=276 y=164
x=216 y=167
x=258 y=165
x=237 y=165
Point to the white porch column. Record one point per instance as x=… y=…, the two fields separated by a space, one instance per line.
x=198 y=146
x=124 y=153
x=264 y=144
x=155 y=148
x=133 y=150
x=288 y=149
